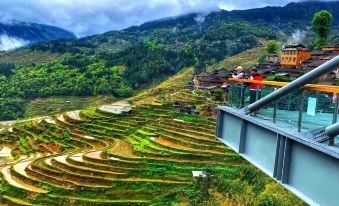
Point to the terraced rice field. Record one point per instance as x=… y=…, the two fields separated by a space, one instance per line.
x=95 y=157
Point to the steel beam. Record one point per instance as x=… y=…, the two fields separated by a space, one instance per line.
x=291 y=158
x=332 y=130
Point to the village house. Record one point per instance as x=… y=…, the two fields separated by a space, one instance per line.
x=213 y=79
x=270 y=65
x=318 y=58
x=332 y=48
x=293 y=56
x=296 y=60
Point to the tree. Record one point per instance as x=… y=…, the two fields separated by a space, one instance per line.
x=321 y=24
x=272 y=47
x=12 y=108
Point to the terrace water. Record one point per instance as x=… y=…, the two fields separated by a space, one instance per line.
x=74 y=114
x=5 y=152
x=117 y=107
x=50 y=121
x=19 y=183
x=20 y=167
x=88 y=137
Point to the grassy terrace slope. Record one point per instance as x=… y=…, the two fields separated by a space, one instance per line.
x=246 y=59
x=93 y=157
x=27 y=57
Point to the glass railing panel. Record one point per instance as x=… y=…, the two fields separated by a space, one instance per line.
x=318 y=110
x=288 y=108
x=266 y=112
x=246 y=94
x=234 y=95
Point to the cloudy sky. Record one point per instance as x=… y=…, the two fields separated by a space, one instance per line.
x=86 y=17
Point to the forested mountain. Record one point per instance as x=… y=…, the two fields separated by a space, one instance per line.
x=21 y=33
x=151 y=51
x=195 y=26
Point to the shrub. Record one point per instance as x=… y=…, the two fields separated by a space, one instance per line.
x=272 y=47
x=278 y=78
x=269 y=200
x=12 y=108
x=218 y=94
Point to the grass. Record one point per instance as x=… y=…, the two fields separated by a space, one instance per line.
x=25 y=57
x=245 y=59
x=56 y=105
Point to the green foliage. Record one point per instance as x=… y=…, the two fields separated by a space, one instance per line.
x=269 y=200
x=205 y=93
x=262 y=58
x=201 y=187
x=250 y=174
x=218 y=94
x=227 y=183
x=6 y=68
x=145 y=63
x=278 y=78
x=321 y=24
x=12 y=108
x=335 y=39
x=272 y=47
x=77 y=75
x=227 y=39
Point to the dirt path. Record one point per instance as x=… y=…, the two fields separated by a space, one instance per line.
x=6 y=123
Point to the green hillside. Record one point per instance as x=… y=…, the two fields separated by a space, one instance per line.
x=246 y=59
x=74 y=68
x=94 y=157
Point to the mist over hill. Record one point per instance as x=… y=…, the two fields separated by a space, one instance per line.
x=16 y=34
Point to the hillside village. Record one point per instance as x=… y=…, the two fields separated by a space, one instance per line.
x=293 y=62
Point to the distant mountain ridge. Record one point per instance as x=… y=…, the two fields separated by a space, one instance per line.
x=281 y=17
x=14 y=34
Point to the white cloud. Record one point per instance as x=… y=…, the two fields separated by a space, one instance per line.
x=85 y=17
x=8 y=43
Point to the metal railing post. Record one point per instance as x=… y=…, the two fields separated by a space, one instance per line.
x=229 y=99
x=335 y=115
x=335 y=112
x=275 y=111
x=242 y=95
x=301 y=109
x=257 y=93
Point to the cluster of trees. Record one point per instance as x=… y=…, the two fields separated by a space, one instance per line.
x=272 y=47
x=6 y=69
x=77 y=75
x=11 y=108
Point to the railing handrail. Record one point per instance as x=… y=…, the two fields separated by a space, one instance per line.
x=311 y=87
